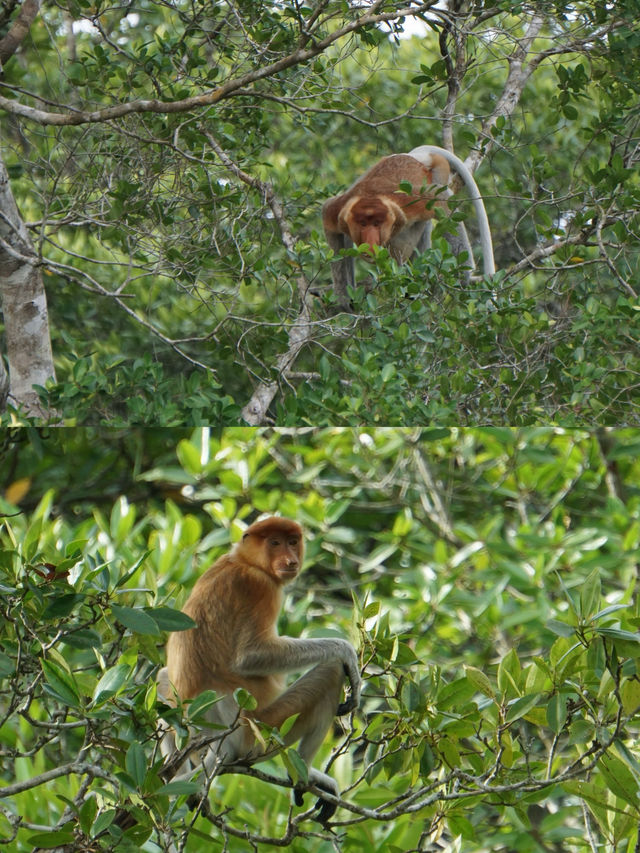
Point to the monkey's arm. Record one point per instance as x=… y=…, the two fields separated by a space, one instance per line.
x=342 y=269
x=285 y=654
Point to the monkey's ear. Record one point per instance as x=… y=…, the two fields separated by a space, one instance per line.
x=342 y=216
x=330 y=212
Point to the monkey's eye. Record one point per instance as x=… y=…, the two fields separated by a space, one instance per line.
x=293 y=542
x=274 y=543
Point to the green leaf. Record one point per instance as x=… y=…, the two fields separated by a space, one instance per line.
x=628 y=757
x=60 y=684
x=404 y=655
x=7 y=665
x=619 y=779
x=87 y=814
x=123 y=515
x=48 y=840
x=83 y=638
x=612 y=608
x=388 y=371
x=199 y=706
x=427 y=760
x=190 y=457
x=509 y=673
x=412 y=696
x=460 y=826
x=176 y=789
x=126 y=577
x=62 y=605
x=103 y=821
x=377 y=557
x=480 y=681
x=536 y=677
x=287 y=725
x=168 y=619
x=31 y=539
x=557 y=712
x=111 y=682
x=590 y=594
x=627 y=644
x=245 y=699
x=619 y=634
x=590 y=793
x=371 y=609
x=582 y=731
x=561 y=629
x=135 y=619
x=456 y=694
x=579 y=540
x=520 y=707
x=630 y=695
x=296 y=766
x=136 y=764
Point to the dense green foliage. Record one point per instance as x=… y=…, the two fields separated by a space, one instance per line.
x=172 y=286
x=488 y=577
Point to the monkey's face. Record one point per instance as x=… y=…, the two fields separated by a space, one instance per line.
x=274 y=545
x=284 y=556
x=373 y=221
x=370 y=222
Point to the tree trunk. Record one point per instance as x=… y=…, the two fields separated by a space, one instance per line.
x=24 y=306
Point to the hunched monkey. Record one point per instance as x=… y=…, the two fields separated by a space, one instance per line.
x=235 y=643
x=374 y=210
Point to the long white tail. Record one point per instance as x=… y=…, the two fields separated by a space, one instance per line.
x=422 y=153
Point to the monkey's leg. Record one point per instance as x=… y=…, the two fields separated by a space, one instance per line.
x=315 y=698
x=407 y=240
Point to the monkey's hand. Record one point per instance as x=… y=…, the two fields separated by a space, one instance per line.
x=326 y=809
x=352 y=671
x=349 y=704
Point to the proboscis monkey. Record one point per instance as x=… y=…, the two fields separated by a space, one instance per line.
x=375 y=210
x=235 y=606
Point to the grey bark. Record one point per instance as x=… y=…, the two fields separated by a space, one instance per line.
x=24 y=309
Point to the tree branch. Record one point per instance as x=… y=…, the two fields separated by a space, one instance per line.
x=255 y=411
x=155 y=105
x=18 y=30
x=75 y=768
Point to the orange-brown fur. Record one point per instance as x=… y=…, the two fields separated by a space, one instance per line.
x=235 y=643
x=376 y=212
x=376 y=209
x=235 y=603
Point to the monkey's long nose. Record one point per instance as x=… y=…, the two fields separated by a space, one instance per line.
x=371 y=234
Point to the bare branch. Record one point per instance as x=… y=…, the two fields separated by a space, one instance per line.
x=74 y=768
x=516 y=80
x=300 y=331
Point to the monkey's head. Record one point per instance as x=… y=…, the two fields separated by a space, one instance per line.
x=274 y=545
x=373 y=220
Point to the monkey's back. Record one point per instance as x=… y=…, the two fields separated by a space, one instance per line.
x=385 y=176
x=233 y=605
x=384 y=179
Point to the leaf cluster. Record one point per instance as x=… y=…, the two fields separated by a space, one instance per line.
x=489 y=575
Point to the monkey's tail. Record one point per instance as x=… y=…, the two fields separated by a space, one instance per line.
x=422 y=153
